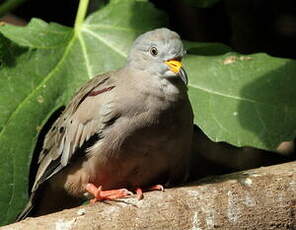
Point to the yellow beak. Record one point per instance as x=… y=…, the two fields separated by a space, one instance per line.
x=174 y=65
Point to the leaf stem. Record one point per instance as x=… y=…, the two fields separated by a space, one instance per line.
x=82 y=9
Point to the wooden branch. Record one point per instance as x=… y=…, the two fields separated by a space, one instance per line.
x=263 y=198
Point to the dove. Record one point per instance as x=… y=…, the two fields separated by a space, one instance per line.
x=126 y=130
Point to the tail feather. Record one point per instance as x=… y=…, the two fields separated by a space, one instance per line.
x=26 y=212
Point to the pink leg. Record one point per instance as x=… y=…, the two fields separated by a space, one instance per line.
x=139 y=191
x=100 y=195
x=157 y=187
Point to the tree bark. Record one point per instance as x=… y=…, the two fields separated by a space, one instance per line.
x=262 y=198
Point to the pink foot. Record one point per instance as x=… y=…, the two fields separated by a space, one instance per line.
x=100 y=195
x=139 y=191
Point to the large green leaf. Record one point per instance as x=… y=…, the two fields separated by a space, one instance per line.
x=246 y=100
x=41 y=66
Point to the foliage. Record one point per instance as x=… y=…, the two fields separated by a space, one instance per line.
x=42 y=65
x=237 y=98
x=244 y=99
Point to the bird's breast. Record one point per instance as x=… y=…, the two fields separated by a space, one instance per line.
x=151 y=122
x=141 y=144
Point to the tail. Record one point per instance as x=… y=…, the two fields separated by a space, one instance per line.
x=27 y=210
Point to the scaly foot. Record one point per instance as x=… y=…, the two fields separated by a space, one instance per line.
x=139 y=191
x=100 y=195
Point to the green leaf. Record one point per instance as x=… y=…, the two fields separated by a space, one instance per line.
x=41 y=66
x=201 y=3
x=245 y=100
x=240 y=99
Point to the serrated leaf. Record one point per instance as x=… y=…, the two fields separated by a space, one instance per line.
x=42 y=67
x=245 y=100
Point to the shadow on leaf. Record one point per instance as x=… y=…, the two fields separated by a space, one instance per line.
x=268 y=109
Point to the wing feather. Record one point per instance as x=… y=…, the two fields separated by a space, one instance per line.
x=80 y=121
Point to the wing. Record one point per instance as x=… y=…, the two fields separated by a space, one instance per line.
x=82 y=122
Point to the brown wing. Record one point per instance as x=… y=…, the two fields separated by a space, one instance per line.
x=82 y=120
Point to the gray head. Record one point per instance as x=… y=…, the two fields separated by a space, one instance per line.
x=159 y=52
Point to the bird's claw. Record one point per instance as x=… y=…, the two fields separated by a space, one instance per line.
x=100 y=195
x=139 y=191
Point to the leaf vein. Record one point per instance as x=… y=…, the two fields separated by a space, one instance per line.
x=217 y=121
x=13 y=190
x=27 y=98
x=222 y=94
x=100 y=26
x=265 y=130
x=84 y=52
x=116 y=49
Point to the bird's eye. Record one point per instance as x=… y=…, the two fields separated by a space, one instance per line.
x=153 y=51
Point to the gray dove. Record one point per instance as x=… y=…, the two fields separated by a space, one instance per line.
x=126 y=130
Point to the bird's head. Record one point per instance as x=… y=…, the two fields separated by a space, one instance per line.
x=159 y=52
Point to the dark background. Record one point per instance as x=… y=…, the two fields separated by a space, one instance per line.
x=248 y=26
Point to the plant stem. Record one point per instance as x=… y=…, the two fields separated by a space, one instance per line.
x=9 y=5
x=82 y=9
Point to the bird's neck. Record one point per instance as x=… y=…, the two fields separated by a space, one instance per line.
x=172 y=89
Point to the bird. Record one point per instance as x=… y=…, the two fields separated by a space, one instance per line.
x=125 y=131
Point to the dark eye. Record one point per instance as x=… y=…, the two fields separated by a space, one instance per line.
x=153 y=51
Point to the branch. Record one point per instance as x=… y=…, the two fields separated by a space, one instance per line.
x=262 y=198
